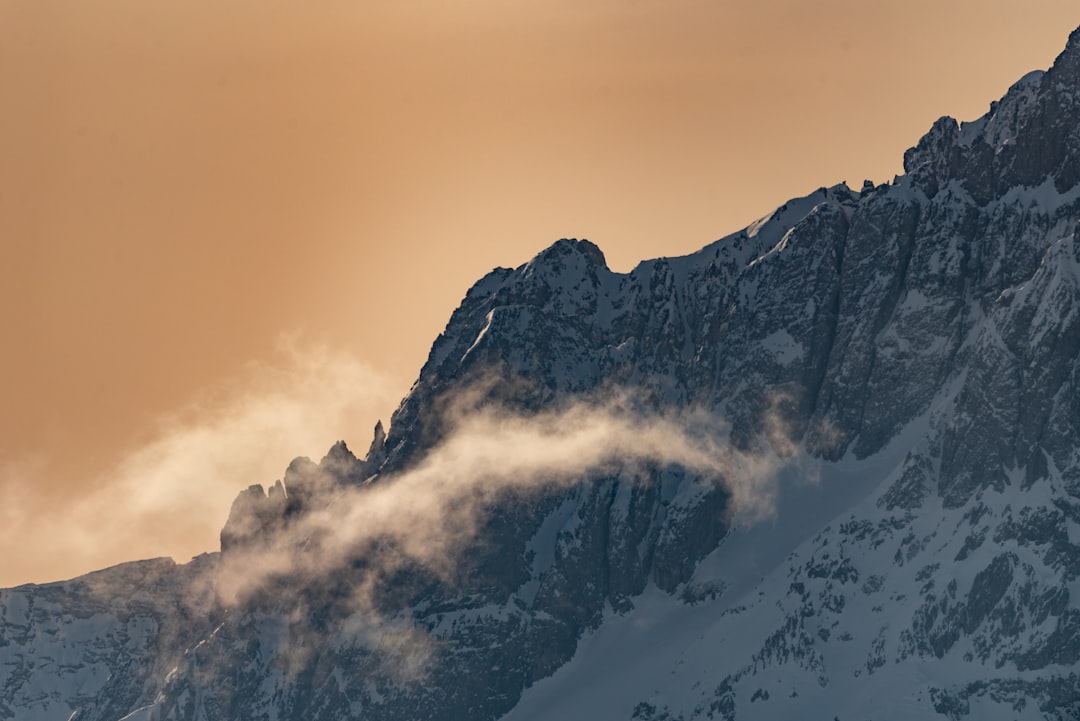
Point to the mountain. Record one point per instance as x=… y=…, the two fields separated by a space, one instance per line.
x=825 y=467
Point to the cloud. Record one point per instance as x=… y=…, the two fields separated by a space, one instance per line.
x=171 y=495
x=429 y=512
x=175 y=491
x=491 y=455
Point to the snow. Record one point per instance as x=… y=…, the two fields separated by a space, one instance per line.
x=783 y=347
x=999 y=126
x=145 y=713
x=480 y=336
x=672 y=656
x=632 y=651
x=16 y=607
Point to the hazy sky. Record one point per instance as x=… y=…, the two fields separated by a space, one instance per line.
x=229 y=231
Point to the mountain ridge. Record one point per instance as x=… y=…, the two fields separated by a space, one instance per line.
x=892 y=371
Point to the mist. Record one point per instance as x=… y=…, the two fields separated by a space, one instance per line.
x=170 y=495
x=492 y=455
x=353 y=537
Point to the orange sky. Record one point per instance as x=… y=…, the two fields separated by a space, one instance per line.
x=185 y=184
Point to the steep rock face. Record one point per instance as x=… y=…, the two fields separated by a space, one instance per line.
x=1028 y=136
x=917 y=341
x=99 y=646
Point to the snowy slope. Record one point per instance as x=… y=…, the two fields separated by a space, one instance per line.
x=97 y=646
x=878 y=614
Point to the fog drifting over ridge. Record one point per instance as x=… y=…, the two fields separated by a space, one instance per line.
x=351 y=540
x=491 y=455
x=170 y=495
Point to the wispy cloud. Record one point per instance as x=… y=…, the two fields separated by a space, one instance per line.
x=171 y=495
x=488 y=455
x=491 y=455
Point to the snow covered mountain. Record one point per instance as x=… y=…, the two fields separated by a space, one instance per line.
x=868 y=504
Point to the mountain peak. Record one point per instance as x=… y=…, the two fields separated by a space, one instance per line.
x=565 y=247
x=1026 y=137
x=1069 y=58
x=936 y=149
